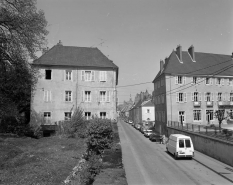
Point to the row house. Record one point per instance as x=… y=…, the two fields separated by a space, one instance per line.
x=191 y=86
x=75 y=77
x=143 y=108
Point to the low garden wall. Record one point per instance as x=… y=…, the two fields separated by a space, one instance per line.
x=213 y=147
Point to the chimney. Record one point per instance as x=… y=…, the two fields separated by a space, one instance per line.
x=59 y=43
x=191 y=52
x=179 y=52
x=161 y=65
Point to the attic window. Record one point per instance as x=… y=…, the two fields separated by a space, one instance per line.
x=48 y=74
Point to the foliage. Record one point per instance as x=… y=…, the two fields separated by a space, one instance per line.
x=220 y=115
x=99 y=135
x=91 y=169
x=22 y=34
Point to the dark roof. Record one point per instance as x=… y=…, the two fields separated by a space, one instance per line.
x=74 y=56
x=205 y=64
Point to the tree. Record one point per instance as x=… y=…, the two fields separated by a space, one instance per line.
x=220 y=115
x=22 y=34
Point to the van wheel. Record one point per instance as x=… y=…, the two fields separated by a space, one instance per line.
x=175 y=155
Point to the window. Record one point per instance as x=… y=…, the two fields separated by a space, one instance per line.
x=69 y=75
x=181 y=97
x=102 y=115
x=231 y=114
x=68 y=96
x=195 y=96
x=194 y=80
x=47 y=96
x=219 y=81
x=197 y=115
x=47 y=116
x=181 y=143
x=48 y=74
x=207 y=81
x=104 y=96
x=148 y=110
x=87 y=96
x=231 y=97
x=88 y=115
x=219 y=96
x=88 y=76
x=208 y=96
x=230 y=82
x=67 y=116
x=187 y=143
x=181 y=116
x=180 y=80
x=103 y=76
x=209 y=115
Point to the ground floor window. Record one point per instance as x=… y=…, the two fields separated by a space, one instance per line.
x=67 y=116
x=103 y=115
x=197 y=115
x=47 y=116
x=181 y=116
x=209 y=115
x=88 y=115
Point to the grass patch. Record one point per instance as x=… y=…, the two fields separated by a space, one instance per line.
x=42 y=161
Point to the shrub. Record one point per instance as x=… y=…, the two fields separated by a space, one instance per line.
x=99 y=135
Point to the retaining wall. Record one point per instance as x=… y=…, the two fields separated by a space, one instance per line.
x=213 y=147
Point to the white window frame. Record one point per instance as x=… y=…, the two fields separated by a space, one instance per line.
x=219 y=96
x=195 y=115
x=68 y=96
x=87 y=116
x=87 y=96
x=68 y=75
x=50 y=75
x=181 y=97
x=47 y=116
x=67 y=116
x=88 y=75
x=181 y=114
x=102 y=116
x=212 y=116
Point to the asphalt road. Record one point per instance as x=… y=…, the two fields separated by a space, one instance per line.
x=148 y=163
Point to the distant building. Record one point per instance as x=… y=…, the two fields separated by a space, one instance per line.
x=190 y=86
x=72 y=77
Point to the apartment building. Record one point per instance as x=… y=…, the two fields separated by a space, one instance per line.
x=190 y=86
x=72 y=77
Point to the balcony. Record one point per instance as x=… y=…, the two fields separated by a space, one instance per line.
x=196 y=103
x=209 y=103
x=225 y=104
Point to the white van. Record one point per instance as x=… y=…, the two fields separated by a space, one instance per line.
x=180 y=146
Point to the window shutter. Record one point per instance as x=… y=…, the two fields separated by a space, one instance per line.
x=83 y=96
x=92 y=75
x=192 y=96
x=90 y=97
x=177 y=97
x=185 y=97
x=50 y=95
x=212 y=96
x=228 y=96
x=44 y=96
x=83 y=75
x=211 y=81
x=72 y=74
x=216 y=96
x=71 y=95
x=105 y=76
x=176 y=80
x=64 y=75
x=216 y=81
x=200 y=96
x=225 y=98
x=100 y=76
x=222 y=81
x=227 y=81
x=108 y=96
x=184 y=79
x=205 y=96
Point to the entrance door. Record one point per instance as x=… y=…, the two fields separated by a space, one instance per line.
x=181 y=117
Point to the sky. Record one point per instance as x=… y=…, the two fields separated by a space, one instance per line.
x=137 y=34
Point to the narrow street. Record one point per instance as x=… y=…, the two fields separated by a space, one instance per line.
x=148 y=163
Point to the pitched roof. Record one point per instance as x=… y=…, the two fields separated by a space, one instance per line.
x=205 y=64
x=74 y=56
x=147 y=103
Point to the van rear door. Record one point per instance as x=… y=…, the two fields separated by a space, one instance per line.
x=185 y=147
x=188 y=147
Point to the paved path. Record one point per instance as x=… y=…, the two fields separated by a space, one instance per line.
x=148 y=163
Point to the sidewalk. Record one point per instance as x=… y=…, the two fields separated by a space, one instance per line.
x=216 y=166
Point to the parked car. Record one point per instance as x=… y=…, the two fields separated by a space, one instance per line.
x=180 y=146
x=130 y=122
x=138 y=126
x=143 y=129
x=156 y=137
x=147 y=133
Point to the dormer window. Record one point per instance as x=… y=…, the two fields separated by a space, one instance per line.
x=180 y=80
x=194 y=80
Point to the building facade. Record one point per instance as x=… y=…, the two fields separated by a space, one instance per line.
x=191 y=86
x=72 y=78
